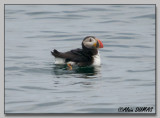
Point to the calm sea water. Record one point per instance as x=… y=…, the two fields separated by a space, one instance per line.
x=126 y=78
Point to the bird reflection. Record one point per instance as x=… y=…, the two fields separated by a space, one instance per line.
x=84 y=71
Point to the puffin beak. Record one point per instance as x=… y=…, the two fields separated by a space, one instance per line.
x=99 y=44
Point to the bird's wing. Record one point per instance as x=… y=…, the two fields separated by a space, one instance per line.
x=76 y=55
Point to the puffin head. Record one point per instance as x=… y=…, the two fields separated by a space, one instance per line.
x=92 y=42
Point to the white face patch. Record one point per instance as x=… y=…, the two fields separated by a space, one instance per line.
x=89 y=42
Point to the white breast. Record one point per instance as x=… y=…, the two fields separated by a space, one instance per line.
x=97 y=60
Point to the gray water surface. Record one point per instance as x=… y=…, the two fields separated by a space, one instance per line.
x=126 y=78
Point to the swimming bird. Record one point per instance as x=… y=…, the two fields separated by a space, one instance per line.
x=86 y=56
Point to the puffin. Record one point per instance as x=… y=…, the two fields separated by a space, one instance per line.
x=88 y=55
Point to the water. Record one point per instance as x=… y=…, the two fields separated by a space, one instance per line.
x=126 y=78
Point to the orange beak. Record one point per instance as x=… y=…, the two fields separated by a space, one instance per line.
x=99 y=44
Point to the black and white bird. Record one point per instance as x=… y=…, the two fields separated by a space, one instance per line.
x=86 y=56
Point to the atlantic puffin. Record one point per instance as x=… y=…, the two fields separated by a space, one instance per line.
x=86 y=56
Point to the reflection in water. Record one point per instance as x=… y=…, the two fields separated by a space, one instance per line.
x=87 y=71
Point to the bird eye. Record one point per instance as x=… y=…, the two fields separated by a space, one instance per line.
x=90 y=39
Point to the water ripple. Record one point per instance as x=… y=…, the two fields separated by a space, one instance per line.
x=49 y=104
x=120 y=46
x=14 y=11
x=33 y=87
x=20 y=57
x=15 y=102
x=13 y=68
x=13 y=89
x=129 y=33
x=114 y=21
x=142 y=46
x=98 y=110
x=141 y=70
x=123 y=37
x=47 y=36
x=123 y=57
x=40 y=13
x=150 y=16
